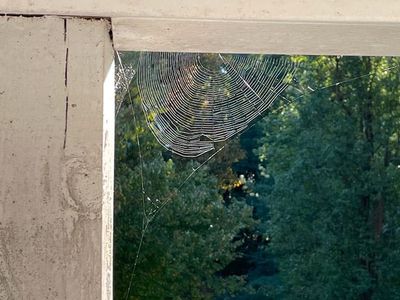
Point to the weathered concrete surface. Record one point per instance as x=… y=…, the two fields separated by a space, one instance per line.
x=233 y=36
x=335 y=27
x=255 y=10
x=56 y=78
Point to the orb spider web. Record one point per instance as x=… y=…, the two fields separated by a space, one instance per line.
x=193 y=101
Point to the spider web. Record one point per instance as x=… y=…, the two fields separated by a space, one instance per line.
x=123 y=77
x=193 y=101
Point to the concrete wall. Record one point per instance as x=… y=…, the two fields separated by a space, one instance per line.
x=365 y=11
x=334 y=27
x=232 y=36
x=56 y=158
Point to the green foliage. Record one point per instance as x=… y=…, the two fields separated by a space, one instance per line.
x=334 y=158
x=194 y=235
x=315 y=214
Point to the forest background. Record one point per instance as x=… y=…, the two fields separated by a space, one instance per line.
x=303 y=205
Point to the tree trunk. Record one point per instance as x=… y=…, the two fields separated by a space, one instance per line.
x=367 y=123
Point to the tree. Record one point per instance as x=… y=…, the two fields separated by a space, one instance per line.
x=193 y=236
x=333 y=157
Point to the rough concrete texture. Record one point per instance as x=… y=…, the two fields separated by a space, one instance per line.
x=256 y=10
x=224 y=36
x=334 y=27
x=53 y=207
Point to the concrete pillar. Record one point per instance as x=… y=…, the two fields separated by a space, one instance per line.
x=56 y=158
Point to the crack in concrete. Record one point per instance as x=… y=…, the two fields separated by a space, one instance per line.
x=66 y=122
x=66 y=84
x=65 y=30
